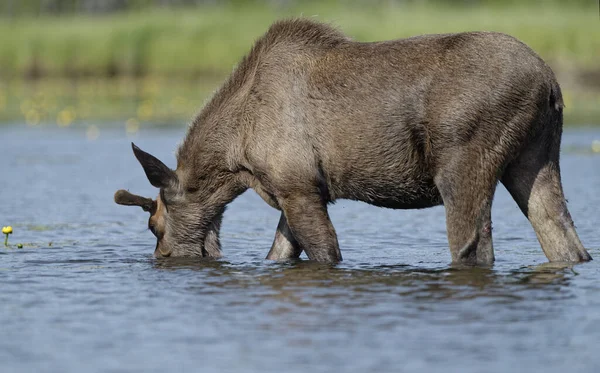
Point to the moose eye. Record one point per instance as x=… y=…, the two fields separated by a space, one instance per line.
x=153 y=230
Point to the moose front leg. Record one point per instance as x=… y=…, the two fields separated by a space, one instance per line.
x=309 y=223
x=285 y=245
x=212 y=243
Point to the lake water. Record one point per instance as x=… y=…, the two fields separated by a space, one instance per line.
x=85 y=294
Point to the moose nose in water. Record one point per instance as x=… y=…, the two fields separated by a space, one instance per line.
x=158 y=253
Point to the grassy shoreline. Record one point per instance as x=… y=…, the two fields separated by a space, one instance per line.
x=101 y=67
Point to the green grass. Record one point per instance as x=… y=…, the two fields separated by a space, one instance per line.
x=212 y=39
x=86 y=64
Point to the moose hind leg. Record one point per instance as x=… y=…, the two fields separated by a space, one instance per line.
x=284 y=245
x=467 y=192
x=534 y=182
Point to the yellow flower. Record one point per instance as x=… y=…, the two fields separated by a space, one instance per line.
x=7 y=230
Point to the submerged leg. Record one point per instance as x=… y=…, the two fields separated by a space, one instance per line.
x=285 y=245
x=533 y=180
x=309 y=222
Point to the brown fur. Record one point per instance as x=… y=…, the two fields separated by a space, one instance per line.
x=309 y=117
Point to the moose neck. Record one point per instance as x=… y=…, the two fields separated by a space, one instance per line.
x=214 y=137
x=207 y=181
x=216 y=132
x=208 y=158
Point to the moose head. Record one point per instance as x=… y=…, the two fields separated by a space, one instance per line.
x=182 y=224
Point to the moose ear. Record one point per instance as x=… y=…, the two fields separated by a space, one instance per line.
x=123 y=197
x=157 y=172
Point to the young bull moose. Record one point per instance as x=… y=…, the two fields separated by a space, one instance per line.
x=310 y=116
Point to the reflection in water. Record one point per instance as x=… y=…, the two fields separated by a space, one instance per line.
x=298 y=281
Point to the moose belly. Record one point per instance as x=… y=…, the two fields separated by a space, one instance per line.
x=395 y=193
x=381 y=164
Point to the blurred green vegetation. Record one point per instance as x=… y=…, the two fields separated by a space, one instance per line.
x=211 y=39
x=100 y=67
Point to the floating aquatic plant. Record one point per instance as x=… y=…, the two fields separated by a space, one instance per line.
x=6 y=231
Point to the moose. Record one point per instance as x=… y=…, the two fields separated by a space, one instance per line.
x=310 y=116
